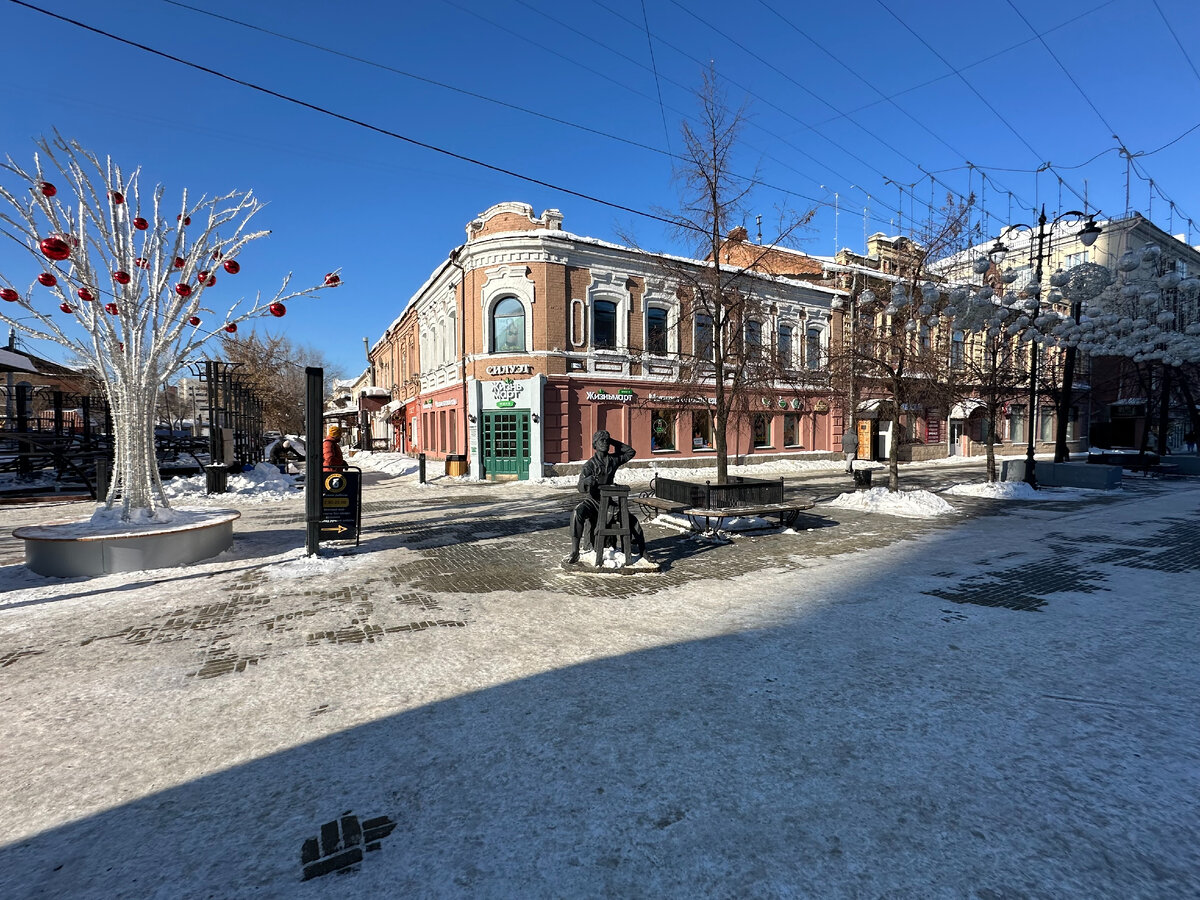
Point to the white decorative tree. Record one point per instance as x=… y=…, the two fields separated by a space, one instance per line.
x=125 y=280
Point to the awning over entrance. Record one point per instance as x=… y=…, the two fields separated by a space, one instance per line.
x=869 y=409
x=964 y=409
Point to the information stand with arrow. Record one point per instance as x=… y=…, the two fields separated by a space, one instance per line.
x=341 y=504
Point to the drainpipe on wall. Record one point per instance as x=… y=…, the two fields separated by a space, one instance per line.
x=462 y=341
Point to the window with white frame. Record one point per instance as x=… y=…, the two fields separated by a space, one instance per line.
x=657 y=334
x=1076 y=259
x=604 y=325
x=703 y=338
x=783 y=347
x=753 y=339
x=812 y=348
x=508 y=326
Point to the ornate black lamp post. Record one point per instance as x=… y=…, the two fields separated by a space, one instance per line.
x=1087 y=236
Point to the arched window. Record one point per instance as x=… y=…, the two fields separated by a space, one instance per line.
x=784 y=347
x=703 y=343
x=604 y=325
x=753 y=339
x=508 y=326
x=812 y=348
x=656 y=330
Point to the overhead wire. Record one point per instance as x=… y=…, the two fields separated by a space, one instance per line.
x=1131 y=157
x=862 y=78
x=345 y=118
x=479 y=96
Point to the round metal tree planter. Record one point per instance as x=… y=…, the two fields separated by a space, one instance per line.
x=71 y=549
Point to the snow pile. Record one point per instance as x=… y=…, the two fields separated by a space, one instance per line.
x=910 y=504
x=262 y=484
x=396 y=464
x=1015 y=490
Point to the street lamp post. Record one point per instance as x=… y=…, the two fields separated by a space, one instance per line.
x=1087 y=236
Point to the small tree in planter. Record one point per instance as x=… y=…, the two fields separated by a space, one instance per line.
x=122 y=281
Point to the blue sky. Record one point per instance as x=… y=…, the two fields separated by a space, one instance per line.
x=968 y=82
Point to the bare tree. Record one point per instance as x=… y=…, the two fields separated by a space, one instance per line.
x=274 y=369
x=722 y=307
x=894 y=343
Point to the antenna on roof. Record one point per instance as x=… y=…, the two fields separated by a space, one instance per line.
x=758 y=222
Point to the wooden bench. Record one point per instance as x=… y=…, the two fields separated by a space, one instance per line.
x=788 y=511
x=655 y=505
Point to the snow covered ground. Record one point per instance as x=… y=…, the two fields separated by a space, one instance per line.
x=999 y=706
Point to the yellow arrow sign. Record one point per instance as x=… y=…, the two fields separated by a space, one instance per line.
x=338 y=528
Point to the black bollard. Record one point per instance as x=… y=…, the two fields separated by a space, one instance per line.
x=421 y=468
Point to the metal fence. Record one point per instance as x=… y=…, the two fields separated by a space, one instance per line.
x=738 y=491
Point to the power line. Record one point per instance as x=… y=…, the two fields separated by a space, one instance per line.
x=482 y=97
x=657 y=83
x=839 y=61
x=349 y=119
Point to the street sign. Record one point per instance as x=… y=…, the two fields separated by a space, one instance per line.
x=341 y=504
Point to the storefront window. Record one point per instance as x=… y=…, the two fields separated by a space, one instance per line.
x=1016 y=424
x=1046 y=425
x=604 y=325
x=791 y=430
x=701 y=431
x=662 y=430
x=508 y=326
x=762 y=431
x=656 y=330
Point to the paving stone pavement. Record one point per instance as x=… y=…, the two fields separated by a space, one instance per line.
x=434 y=556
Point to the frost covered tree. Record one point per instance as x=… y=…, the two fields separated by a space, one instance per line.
x=1148 y=318
x=126 y=282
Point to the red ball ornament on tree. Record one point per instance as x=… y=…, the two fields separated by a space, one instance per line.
x=9 y=294
x=183 y=289
x=110 y=308
x=207 y=280
x=121 y=277
x=194 y=320
x=142 y=263
x=186 y=220
x=332 y=280
x=231 y=327
x=47 y=189
x=54 y=247
x=277 y=309
x=117 y=197
x=180 y=262
x=140 y=224
x=47 y=279
x=66 y=307
x=232 y=267
x=85 y=295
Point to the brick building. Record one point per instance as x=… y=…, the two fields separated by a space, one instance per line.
x=527 y=339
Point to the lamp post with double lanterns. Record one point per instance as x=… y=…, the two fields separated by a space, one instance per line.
x=1087 y=236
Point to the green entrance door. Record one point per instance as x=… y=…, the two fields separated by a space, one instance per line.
x=506 y=444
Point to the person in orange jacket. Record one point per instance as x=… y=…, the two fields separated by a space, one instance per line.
x=331 y=450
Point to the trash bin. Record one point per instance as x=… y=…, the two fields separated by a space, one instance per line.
x=216 y=478
x=862 y=479
x=456 y=464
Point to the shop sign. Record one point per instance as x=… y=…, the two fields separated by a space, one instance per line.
x=821 y=407
x=602 y=396
x=513 y=369
x=506 y=393
x=451 y=402
x=671 y=398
